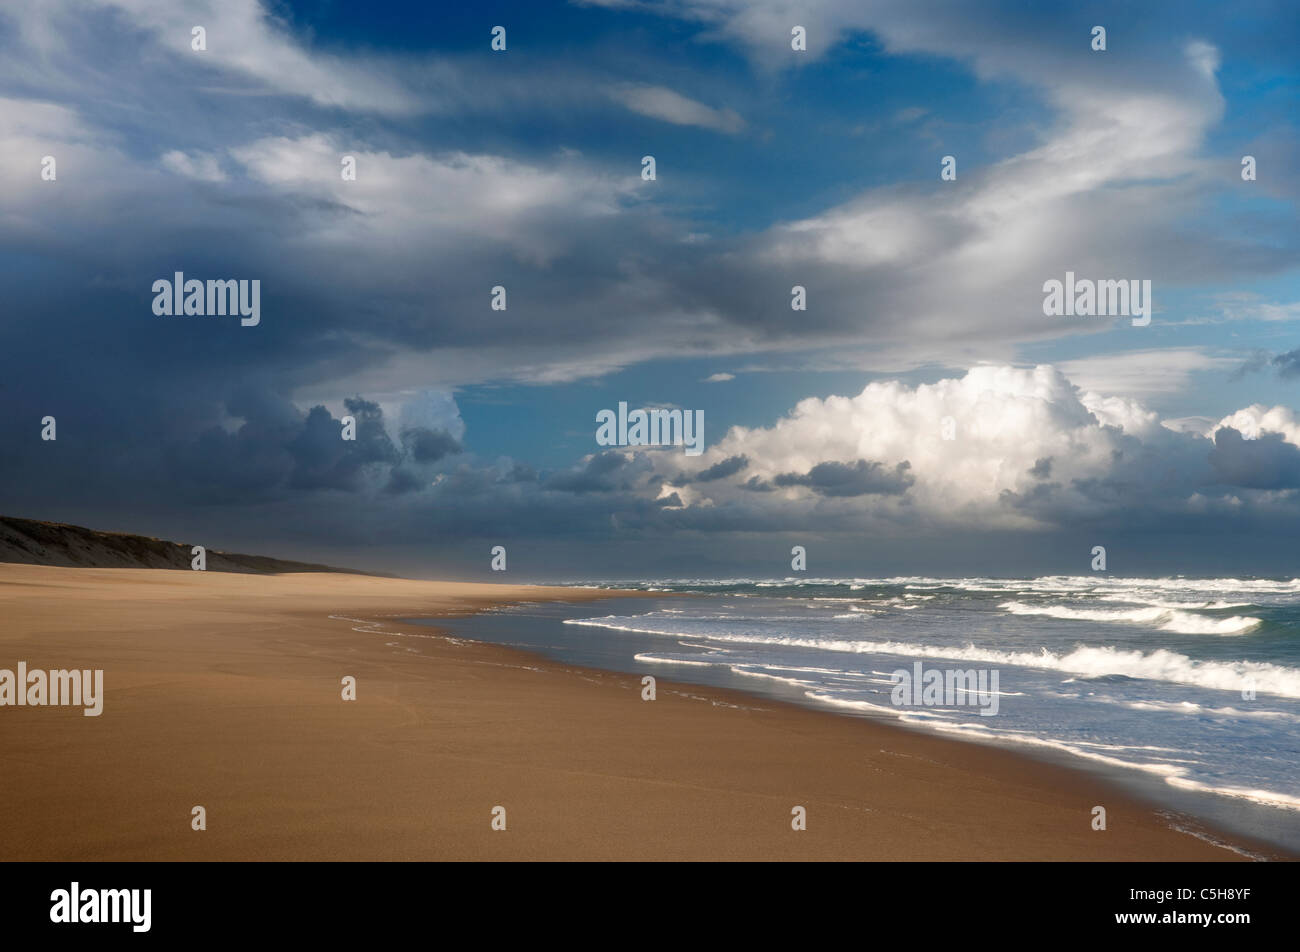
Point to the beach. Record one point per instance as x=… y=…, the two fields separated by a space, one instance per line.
x=225 y=691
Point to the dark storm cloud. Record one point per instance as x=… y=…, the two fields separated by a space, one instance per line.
x=600 y=474
x=429 y=446
x=1264 y=463
x=403 y=481
x=851 y=479
x=326 y=461
x=727 y=467
x=276 y=449
x=1039 y=496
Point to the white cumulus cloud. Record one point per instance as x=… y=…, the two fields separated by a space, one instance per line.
x=1027 y=449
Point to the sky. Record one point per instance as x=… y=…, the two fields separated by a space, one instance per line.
x=921 y=415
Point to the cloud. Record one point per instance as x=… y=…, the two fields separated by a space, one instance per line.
x=953 y=264
x=245 y=39
x=30 y=130
x=932 y=274
x=1246 y=306
x=658 y=102
x=952 y=272
x=428 y=446
x=1268 y=462
x=1029 y=450
x=723 y=469
x=1257 y=419
x=433 y=199
x=1287 y=364
x=600 y=473
x=203 y=167
x=719 y=378
x=273 y=450
x=1144 y=372
x=861 y=478
x=1031 y=453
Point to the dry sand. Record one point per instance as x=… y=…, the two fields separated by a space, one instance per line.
x=224 y=691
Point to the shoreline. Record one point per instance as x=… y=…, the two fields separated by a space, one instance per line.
x=223 y=691
x=545 y=631
x=1175 y=818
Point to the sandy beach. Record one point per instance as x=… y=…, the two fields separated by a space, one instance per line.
x=225 y=691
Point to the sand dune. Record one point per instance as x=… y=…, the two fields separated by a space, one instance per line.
x=34 y=542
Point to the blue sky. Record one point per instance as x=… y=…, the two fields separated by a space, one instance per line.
x=775 y=168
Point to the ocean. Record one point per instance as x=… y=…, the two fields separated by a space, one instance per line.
x=1185 y=690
